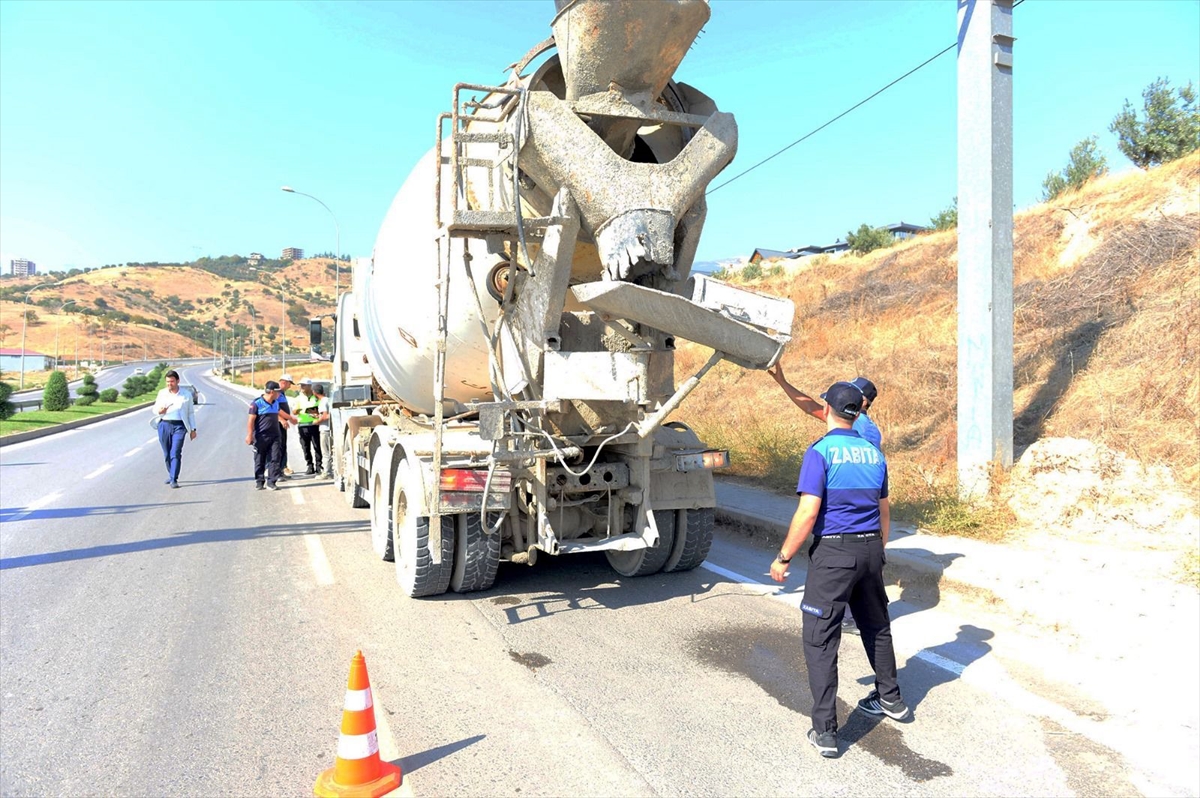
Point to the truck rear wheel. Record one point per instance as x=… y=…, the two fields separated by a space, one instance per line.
x=476 y=554
x=647 y=561
x=350 y=478
x=416 y=572
x=693 y=539
x=381 y=521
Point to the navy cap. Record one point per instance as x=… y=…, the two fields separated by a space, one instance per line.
x=866 y=386
x=844 y=399
x=272 y=385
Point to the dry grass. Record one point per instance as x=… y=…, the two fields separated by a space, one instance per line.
x=125 y=289
x=1107 y=340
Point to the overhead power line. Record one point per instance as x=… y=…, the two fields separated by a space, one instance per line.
x=857 y=105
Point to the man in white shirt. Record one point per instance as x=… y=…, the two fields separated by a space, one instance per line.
x=176 y=419
x=324 y=427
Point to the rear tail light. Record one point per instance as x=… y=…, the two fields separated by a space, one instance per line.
x=474 y=480
x=708 y=459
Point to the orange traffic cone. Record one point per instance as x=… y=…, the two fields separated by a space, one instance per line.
x=358 y=769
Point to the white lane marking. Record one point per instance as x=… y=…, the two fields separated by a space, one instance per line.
x=35 y=506
x=792 y=599
x=388 y=750
x=297 y=496
x=318 y=560
x=134 y=450
x=99 y=471
x=942 y=662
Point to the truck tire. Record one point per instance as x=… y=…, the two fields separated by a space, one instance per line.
x=693 y=539
x=350 y=477
x=381 y=519
x=476 y=554
x=647 y=561
x=416 y=572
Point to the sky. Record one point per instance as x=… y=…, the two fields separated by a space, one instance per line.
x=163 y=131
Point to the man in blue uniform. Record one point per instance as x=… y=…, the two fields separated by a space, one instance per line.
x=863 y=425
x=844 y=507
x=263 y=432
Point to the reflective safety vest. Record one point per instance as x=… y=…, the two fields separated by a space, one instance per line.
x=307 y=407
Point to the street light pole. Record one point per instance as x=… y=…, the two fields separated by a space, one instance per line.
x=283 y=323
x=58 y=329
x=337 y=263
x=24 y=324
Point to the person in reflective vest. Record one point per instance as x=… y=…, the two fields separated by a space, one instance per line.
x=308 y=414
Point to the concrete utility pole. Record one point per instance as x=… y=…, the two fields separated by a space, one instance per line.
x=985 y=234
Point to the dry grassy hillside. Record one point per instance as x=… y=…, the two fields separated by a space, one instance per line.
x=1107 y=333
x=173 y=309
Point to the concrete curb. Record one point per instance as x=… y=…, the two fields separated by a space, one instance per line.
x=34 y=434
x=922 y=579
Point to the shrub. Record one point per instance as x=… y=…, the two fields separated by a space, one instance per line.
x=751 y=271
x=946 y=219
x=88 y=391
x=1170 y=130
x=132 y=388
x=1084 y=164
x=869 y=239
x=108 y=395
x=6 y=408
x=56 y=395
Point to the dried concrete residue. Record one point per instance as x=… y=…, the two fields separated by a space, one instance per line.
x=1077 y=239
x=1074 y=488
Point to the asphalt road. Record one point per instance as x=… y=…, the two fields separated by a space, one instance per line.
x=197 y=642
x=111 y=377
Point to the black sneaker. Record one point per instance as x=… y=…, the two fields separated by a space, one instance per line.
x=825 y=743
x=310 y=470
x=873 y=704
x=272 y=486
x=259 y=486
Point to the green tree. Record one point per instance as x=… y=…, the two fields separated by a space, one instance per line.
x=88 y=391
x=868 y=239
x=946 y=219
x=1084 y=164
x=56 y=395
x=1170 y=129
x=6 y=408
x=108 y=395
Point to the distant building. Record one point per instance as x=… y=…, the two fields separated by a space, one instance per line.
x=10 y=360
x=903 y=230
x=20 y=267
x=292 y=253
x=900 y=231
x=256 y=258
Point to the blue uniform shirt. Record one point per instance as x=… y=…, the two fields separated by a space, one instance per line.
x=866 y=428
x=266 y=423
x=849 y=475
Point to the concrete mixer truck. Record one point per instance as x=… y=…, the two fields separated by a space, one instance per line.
x=503 y=366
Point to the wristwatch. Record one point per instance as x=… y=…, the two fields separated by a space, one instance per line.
x=782 y=559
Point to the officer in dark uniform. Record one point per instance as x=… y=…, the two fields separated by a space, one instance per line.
x=844 y=506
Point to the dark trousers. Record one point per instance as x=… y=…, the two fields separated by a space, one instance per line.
x=171 y=435
x=845 y=572
x=282 y=448
x=266 y=459
x=310 y=442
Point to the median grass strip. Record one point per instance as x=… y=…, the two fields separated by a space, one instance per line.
x=36 y=419
x=39 y=419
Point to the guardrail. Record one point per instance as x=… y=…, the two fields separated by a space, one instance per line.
x=26 y=404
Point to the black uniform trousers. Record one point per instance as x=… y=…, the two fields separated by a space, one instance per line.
x=282 y=458
x=266 y=459
x=310 y=442
x=845 y=571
